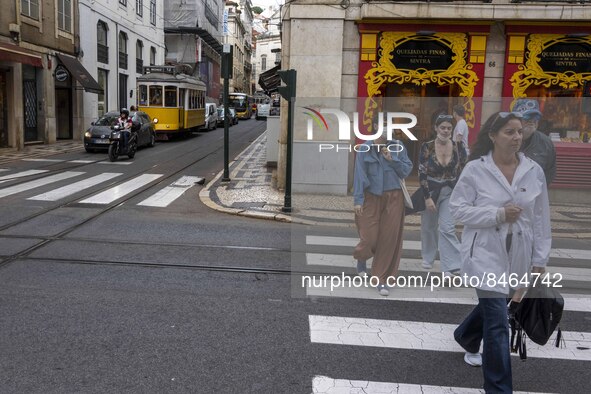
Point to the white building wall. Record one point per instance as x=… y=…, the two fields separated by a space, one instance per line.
x=118 y=18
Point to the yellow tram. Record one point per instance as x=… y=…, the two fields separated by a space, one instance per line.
x=177 y=100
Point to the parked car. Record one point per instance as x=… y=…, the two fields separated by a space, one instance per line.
x=97 y=136
x=211 y=116
x=233 y=116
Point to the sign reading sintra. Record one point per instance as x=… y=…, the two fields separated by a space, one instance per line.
x=428 y=54
x=566 y=56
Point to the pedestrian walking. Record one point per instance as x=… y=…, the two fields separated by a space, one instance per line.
x=502 y=200
x=461 y=130
x=536 y=145
x=380 y=166
x=440 y=164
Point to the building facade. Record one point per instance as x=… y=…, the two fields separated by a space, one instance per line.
x=118 y=38
x=193 y=33
x=423 y=57
x=41 y=78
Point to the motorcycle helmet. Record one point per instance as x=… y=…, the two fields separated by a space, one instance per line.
x=124 y=111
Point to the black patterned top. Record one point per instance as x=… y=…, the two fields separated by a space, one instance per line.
x=430 y=167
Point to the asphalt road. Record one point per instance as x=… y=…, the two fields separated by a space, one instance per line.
x=124 y=298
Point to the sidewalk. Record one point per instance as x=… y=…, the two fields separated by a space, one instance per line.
x=42 y=150
x=249 y=193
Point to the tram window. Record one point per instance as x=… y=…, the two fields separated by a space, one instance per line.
x=143 y=95
x=156 y=96
x=170 y=96
x=181 y=97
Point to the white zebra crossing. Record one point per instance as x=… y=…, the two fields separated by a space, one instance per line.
x=76 y=187
x=21 y=174
x=162 y=198
x=327 y=385
x=119 y=191
x=416 y=245
x=413 y=335
x=38 y=182
x=427 y=336
x=170 y=193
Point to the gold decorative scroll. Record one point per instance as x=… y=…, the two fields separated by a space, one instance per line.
x=384 y=71
x=531 y=73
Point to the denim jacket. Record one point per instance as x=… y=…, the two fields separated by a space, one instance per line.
x=375 y=174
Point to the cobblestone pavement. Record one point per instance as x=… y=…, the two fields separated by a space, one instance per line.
x=249 y=193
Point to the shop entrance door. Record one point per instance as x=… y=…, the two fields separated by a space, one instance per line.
x=30 y=104
x=3 y=111
x=63 y=114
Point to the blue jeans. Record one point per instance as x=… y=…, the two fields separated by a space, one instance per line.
x=488 y=323
x=438 y=232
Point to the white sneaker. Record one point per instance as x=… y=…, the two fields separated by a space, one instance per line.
x=383 y=290
x=426 y=265
x=473 y=359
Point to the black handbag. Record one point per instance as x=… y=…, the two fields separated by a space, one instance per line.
x=536 y=316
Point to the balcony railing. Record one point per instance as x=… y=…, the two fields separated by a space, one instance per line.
x=102 y=53
x=123 y=60
x=139 y=66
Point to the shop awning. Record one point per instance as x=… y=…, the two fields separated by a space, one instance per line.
x=80 y=74
x=14 y=53
x=270 y=80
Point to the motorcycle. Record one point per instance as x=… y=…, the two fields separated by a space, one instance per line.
x=117 y=146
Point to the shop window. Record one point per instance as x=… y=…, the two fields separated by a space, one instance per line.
x=103 y=98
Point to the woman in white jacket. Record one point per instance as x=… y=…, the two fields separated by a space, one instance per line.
x=502 y=200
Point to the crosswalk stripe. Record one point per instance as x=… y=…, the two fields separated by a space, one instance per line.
x=46 y=160
x=68 y=190
x=426 y=336
x=21 y=174
x=407 y=264
x=115 y=193
x=327 y=385
x=120 y=163
x=443 y=295
x=170 y=193
x=38 y=182
x=416 y=245
x=83 y=161
x=3 y=169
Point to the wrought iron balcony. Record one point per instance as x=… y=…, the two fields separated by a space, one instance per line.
x=102 y=53
x=123 y=60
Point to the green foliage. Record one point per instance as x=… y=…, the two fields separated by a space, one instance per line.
x=256 y=9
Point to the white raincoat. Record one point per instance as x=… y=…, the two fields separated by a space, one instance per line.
x=479 y=194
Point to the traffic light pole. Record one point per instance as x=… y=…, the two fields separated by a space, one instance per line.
x=288 y=92
x=226 y=74
x=288 y=166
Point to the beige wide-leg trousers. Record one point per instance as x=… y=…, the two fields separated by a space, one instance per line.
x=380 y=228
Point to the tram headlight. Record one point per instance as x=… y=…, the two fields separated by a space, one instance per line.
x=155 y=120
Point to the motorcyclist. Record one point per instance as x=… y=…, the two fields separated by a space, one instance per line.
x=124 y=123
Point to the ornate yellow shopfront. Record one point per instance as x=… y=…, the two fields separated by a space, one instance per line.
x=555 y=68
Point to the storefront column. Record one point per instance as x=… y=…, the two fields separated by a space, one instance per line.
x=14 y=87
x=48 y=104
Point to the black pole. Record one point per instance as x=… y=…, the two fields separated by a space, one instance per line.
x=226 y=74
x=287 y=201
x=226 y=177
